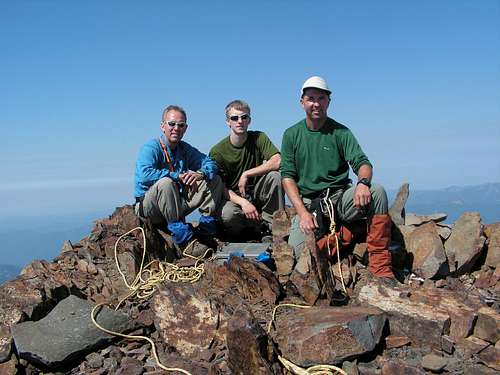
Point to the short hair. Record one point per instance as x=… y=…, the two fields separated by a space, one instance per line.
x=239 y=105
x=177 y=108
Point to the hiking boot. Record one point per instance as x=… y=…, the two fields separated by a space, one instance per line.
x=196 y=248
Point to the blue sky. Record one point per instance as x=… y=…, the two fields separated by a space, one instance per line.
x=83 y=85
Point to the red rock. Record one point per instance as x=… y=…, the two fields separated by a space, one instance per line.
x=392 y=341
x=327 y=335
x=490 y=357
x=487 y=325
x=470 y=346
x=248 y=346
x=398 y=368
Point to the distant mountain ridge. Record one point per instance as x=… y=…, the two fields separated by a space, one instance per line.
x=23 y=240
x=455 y=200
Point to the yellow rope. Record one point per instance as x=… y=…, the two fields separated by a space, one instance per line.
x=293 y=368
x=147 y=279
x=153 y=346
x=332 y=230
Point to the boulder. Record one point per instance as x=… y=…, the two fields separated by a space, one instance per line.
x=187 y=320
x=249 y=349
x=193 y=317
x=492 y=232
x=470 y=346
x=429 y=258
x=465 y=243
x=327 y=335
x=490 y=357
x=487 y=326
x=424 y=314
x=397 y=209
x=67 y=332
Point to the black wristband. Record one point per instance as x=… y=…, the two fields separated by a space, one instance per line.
x=365 y=182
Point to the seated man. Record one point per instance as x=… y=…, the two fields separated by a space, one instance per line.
x=316 y=155
x=172 y=179
x=253 y=186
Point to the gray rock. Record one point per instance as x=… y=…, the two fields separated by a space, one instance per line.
x=397 y=210
x=429 y=258
x=66 y=332
x=465 y=243
x=444 y=230
x=492 y=231
x=5 y=343
x=433 y=362
x=412 y=219
x=340 y=333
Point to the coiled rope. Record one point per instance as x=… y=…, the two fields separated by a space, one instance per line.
x=146 y=281
x=297 y=370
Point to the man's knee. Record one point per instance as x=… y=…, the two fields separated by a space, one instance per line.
x=379 y=197
x=165 y=184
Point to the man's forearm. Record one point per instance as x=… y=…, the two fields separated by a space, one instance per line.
x=235 y=198
x=292 y=191
x=365 y=171
x=273 y=164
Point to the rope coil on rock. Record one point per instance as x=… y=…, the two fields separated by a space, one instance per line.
x=146 y=280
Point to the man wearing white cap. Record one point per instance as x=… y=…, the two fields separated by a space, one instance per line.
x=316 y=154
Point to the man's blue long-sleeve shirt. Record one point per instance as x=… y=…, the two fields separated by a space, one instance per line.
x=152 y=164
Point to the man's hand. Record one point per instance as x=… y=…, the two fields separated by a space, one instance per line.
x=242 y=184
x=362 y=196
x=250 y=211
x=190 y=179
x=308 y=222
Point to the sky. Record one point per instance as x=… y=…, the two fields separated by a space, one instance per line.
x=83 y=85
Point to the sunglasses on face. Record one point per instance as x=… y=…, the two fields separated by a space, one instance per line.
x=244 y=117
x=180 y=124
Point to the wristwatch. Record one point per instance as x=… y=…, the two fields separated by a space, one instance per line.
x=365 y=182
x=203 y=175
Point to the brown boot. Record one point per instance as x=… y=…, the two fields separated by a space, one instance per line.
x=378 y=240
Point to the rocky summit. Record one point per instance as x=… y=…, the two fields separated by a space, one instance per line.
x=135 y=306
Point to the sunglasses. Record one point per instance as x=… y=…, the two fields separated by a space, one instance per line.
x=180 y=124
x=244 y=117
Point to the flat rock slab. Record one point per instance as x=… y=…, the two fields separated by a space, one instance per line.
x=425 y=314
x=412 y=219
x=327 y=335
x=67 y=332
x=433 y=362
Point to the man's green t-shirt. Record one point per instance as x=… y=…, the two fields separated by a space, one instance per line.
x=318 y=160
x=233 y=161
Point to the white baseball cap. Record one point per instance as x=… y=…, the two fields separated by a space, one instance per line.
x=317 y=83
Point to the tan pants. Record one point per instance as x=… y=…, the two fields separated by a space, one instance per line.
x=267 y=198
x=164 y=201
